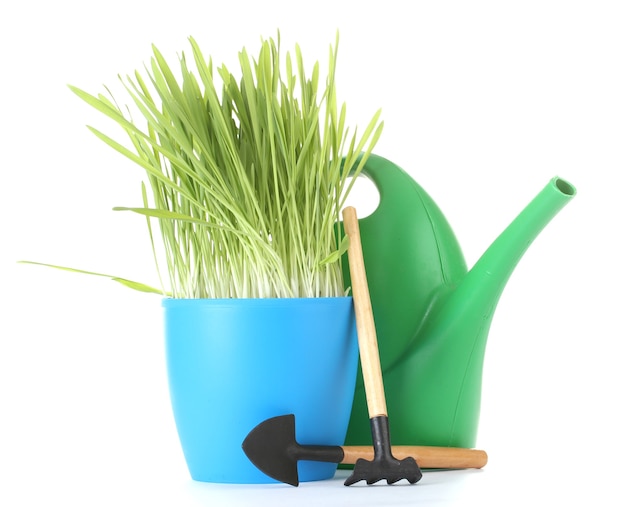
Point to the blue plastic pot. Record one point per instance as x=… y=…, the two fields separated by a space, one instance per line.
x=233 y=363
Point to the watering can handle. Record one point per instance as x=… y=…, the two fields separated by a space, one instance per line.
x=366 y=329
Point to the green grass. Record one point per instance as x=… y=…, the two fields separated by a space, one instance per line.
x=246 y=175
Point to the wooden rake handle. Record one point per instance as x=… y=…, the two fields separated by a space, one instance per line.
x=366 y=330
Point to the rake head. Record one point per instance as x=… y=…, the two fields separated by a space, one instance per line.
x=384 y=465
x=387 y=467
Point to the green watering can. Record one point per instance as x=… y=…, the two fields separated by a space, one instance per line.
x=432 y=315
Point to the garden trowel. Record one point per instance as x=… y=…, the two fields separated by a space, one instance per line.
x=273 y=449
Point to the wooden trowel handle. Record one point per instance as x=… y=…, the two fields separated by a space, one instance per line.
x=426 y=457
x=366 y=330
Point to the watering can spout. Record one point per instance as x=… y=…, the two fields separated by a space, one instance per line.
x=487 y=278
x=474 y=300
x=432 y=314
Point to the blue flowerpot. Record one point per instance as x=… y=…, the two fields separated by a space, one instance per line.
x=233 y=363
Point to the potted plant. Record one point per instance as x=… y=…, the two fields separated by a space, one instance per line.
x=246 y=178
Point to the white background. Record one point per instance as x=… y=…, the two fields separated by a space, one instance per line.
x=483 y=103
